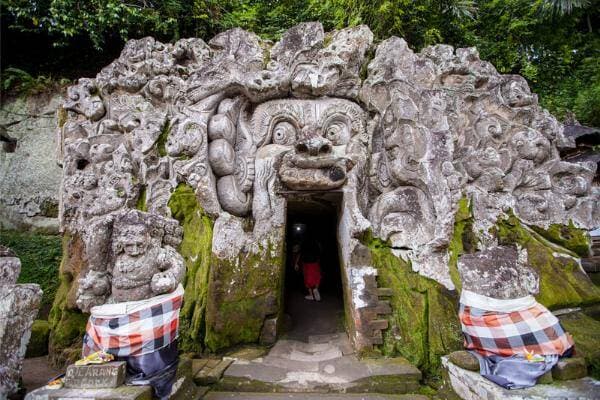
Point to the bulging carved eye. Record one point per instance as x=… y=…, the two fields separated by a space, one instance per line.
x=338 y=133
x=284 y=133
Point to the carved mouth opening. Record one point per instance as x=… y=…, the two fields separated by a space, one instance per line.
x=313 y=217
x=323 y=172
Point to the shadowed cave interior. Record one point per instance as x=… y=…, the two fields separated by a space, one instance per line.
x=313 y=217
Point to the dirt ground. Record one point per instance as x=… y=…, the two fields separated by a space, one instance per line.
x=37 y=372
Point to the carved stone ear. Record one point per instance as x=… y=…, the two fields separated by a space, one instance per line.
x=232 y=198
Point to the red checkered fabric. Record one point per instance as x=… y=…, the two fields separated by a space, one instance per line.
x=145 y=330
x=534 y=330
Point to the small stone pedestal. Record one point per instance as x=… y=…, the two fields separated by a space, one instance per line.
x=95 y=376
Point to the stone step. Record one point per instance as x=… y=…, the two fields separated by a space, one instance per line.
x=309 y=366
x=305 y=396
x=384 y=292
x=384 y=307
x=471 y=385
x=377 y=337
x=343 y=374
x=207 y=372
x=378 y=324
x=327 y=338
x=120 y=393
x=309 y=352
x=185 y=389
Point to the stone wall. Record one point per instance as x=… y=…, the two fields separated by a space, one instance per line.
x=29 y=172
x=173 y=147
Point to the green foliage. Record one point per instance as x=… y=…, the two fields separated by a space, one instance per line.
x=18 y=81
x=555 y=44
x=40 y=259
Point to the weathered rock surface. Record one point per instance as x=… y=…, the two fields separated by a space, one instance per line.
x=10 y=266
x=245 y=123
x=29 y=172
x=500 y=272
x=472 y=386
x=319 y=366
x=19 y=305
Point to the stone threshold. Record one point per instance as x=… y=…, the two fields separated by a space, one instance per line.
x=472 y=386
x=308 y=396
x=326 y=364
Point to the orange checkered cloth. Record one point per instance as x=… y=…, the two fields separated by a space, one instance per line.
x=530 y=330
x=134 y=328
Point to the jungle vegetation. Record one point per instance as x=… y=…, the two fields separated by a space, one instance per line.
x=555 y=44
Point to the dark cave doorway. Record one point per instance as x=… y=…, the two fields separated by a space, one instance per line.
x=313 y=217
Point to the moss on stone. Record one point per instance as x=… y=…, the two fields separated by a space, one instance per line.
x=423 y=325
x=161 y=142
x=562 y=281
x=242 y=293
x=61 y=116
x=40 y=257
x=463 y=239
x=586 y=332
x=38 y=342
x=196 y=249
x=141 y=201
x=364 y=68
x=67 y=323
x=568 y=236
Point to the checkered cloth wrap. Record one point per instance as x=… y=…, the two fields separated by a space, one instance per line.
x=147 y=329
x=535 y=330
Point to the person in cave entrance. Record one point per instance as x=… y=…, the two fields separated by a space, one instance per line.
x=309 y=257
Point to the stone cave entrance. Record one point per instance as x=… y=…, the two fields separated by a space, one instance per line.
x=313 y=216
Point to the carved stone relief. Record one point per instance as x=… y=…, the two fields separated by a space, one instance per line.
x=243 y=121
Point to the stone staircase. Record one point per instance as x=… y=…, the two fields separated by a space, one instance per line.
x=326 y=364
x=373 y=315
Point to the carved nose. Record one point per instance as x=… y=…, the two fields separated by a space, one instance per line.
x=314 y=146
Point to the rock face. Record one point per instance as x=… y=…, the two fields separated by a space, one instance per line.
x=500 y=272
x=29 y=172
x=19 y=305
x=244 y=124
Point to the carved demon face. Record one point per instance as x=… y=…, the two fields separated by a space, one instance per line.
x=326 y=138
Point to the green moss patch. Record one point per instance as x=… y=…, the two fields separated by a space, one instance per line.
x=562 y=281
x=463 y=239
x=196 y=251
x=242 y=293
x=141 y=201
x=567 y=236
x=40 y=260
x=161 y=142
x=586 y=332
x=424 y=323
x=38 y=342
x=67 y=323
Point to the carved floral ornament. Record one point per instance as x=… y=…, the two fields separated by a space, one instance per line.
x=405 y=135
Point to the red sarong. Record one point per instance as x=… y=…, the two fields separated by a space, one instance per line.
x=312 y=274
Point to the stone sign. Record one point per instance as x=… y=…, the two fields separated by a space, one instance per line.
x=95 y=376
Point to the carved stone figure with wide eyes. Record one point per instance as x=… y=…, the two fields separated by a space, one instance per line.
x=142 y=271
x=84 y=98
x=323 y=136
x=516 y=93
x=531 y=145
